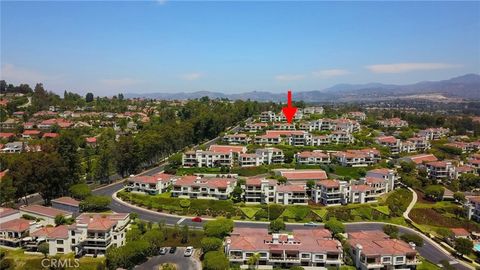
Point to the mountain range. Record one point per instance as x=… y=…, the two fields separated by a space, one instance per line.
x=462 y=87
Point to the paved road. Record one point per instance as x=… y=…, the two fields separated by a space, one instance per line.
x=182 y=262
x=428 y=250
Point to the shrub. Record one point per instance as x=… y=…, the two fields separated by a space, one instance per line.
x=335 y=226
x=95 y=203
x=412 y=237
x=218 y=228
x=276 y=225
x=434 y=192
x=215 y=260
x=211 y=244
x=185 y=203
x=463 y=245
x=391 y=230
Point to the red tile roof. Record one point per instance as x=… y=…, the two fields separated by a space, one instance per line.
x=377 y=243
x=52 y=232
x=387 y=139
x=304 y=174
x=460 y=232
x=100 y=222
x=6 y=134
x=50 y=135
x=67 y=200
x=5 y=211
x=291 y=188
x=227 y=148
x=43 y=211
x=91 y=140
x=31 y=132
x=315 y=154
x=329 y=183
x=421 y=158
x=15 y=225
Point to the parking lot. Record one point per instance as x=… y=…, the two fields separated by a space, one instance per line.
x=178 y=258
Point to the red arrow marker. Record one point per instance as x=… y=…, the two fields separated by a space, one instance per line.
x=289 y=111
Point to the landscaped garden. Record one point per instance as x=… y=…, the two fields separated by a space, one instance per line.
x=388 y=209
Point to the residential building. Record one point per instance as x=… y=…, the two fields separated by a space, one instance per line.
x=306 y=247
x=459 y=170
x=359 y=116
x=154 y=184
x=420 y=143
x=419 y=159
x=255 y=127
x=13 y=231
x=283 y=126
x=196 y=187
x=312 y=158
x=14 y=147
x=7 y=214
x=341 y=136
x=291 y=194
x=472 y=207
x=433 y=133
x=270 y=155
x=238 y=138
x=45 y=214
x=391 y=142
x=301 y=176
x=357 y=158
x=440 y=170
x=393 y=123
x=202 y=158
x=319 y=140
x=330 y=192
x=94 y=233
x=67 y=204
x=259 y=190
x=10 y=123
x=313 y=110
x=31 y=134
x=250 y=160
x=388 y=175
x=375 y=250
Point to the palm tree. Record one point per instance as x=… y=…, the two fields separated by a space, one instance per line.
x=253 y=260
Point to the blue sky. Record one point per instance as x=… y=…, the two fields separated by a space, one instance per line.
x=112 y=47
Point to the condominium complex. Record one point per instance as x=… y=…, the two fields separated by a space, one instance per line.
x=306 y=247
x=196 y=187
x=375 y=250
x=155 y=184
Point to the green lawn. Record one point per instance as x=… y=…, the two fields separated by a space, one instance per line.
x=19 y=260
x=352 y=172
x=427 y=265
x=249 y=211
x=382 y=209
x=322 y=213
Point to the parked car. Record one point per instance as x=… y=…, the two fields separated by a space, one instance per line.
x=173 y=249
x=197 y=219
x=188 y=252
x=163 y=251
x=311 y=224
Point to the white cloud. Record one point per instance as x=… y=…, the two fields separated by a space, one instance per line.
x=119 y=82
x=191 y=76
x=289 y=77
x=329 y=73
x=14 y=74
x=407 y=67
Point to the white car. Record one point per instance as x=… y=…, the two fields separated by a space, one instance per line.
x=188 y=252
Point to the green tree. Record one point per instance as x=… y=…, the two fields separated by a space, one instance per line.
x=44 y=249
x=434 y=192
x=412 y=237
x=276 y=225
x=89 y=97
x=60 y=220
x=7 y=190
x=185 y=234
x=215 y=260
x=335 y=226
x=211 y=244
x=464 y=246
x=127 y=156
x=95 y=203
x=156 y=238
x=254 y=259
x=391 y=230
x=80 y=191
x=67 y=148
x=237 y=194
x=459 y=197
x=218 y=228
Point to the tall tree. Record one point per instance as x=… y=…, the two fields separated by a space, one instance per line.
x=127 y=155
x=89 y=97
x=67 y=148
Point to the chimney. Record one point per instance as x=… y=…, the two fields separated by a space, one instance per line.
x=275 y=238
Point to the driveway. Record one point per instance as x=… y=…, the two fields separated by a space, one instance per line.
x=182 y=262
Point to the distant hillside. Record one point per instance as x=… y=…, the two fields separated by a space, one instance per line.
x=466 y=87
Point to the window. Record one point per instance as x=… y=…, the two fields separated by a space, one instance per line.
x=386 y=259
x=73 y=233
x=73 y=241
x=115 y=237
x=305 y=255
x=60 y=250
x=60 y=242
x=399 y=259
